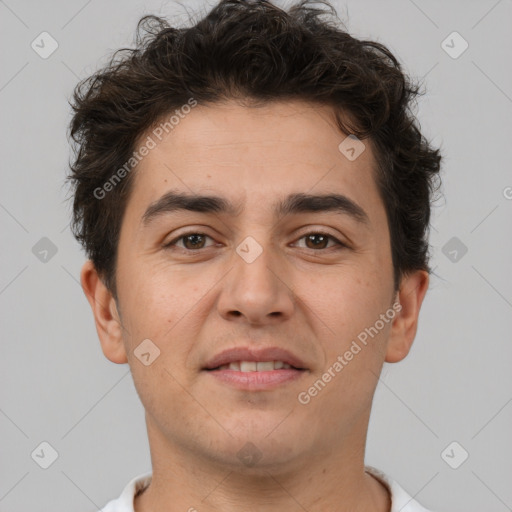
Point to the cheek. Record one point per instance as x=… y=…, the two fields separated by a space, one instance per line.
x=153 y=298
x=350 y=302
x=349 y=298
x=168 y=308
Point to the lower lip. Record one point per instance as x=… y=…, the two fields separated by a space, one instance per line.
x=257 y=380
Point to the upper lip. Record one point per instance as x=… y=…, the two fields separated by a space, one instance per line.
x=253 y=354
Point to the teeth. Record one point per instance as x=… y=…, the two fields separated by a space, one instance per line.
x=253 y=366
x=247 y=366
x=265 y=366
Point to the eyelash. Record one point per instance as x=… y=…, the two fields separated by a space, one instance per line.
x=338 y=245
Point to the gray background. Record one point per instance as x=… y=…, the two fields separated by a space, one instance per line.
x=456 y=384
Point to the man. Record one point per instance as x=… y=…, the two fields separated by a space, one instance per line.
x=254 y=197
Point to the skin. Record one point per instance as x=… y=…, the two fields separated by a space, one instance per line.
x=311 y=301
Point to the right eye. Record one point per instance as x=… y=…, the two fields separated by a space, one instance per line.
x=192 y=241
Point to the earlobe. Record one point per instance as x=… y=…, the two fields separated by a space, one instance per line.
x=106 y=316
x=413 y=288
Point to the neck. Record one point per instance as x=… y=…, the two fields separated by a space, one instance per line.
x=325 y=481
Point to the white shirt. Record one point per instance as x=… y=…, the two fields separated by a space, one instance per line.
x=400 y=500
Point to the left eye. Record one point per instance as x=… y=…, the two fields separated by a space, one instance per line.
x=317 y=241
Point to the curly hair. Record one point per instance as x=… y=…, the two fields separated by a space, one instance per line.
x=250 y=50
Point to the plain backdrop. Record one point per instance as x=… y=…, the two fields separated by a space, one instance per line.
x=456 y=384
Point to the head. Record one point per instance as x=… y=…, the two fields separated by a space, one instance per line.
x=230 y=137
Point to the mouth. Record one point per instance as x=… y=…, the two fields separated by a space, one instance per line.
x=255 y=366
x=250 y=369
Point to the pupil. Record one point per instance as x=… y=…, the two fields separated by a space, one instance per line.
x=195 y=240
x=321 y=237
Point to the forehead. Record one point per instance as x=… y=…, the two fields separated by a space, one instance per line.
x=251 y=154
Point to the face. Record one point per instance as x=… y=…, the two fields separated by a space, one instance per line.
x=265 y=271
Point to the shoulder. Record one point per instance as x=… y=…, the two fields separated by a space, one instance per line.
x=125 y=501
x=401 y=501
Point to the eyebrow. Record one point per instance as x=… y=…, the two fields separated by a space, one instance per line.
x=293 y=204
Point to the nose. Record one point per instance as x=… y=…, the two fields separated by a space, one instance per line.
x=257 y=292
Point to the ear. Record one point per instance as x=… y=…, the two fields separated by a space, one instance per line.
x=408 y=303
x=106 y=316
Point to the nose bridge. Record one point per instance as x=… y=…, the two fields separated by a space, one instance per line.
x=254 y=289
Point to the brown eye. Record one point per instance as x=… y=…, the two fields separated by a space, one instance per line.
x=195 y=241
x=189 y=241
x=318 y=241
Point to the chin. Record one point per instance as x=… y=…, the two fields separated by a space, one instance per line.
x=258 y=444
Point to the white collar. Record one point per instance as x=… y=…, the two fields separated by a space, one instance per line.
x=401 y=501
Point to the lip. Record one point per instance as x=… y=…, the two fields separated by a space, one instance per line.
x=254 y=354
x=255 y=381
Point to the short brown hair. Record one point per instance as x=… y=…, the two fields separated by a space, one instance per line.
x=250 y=51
